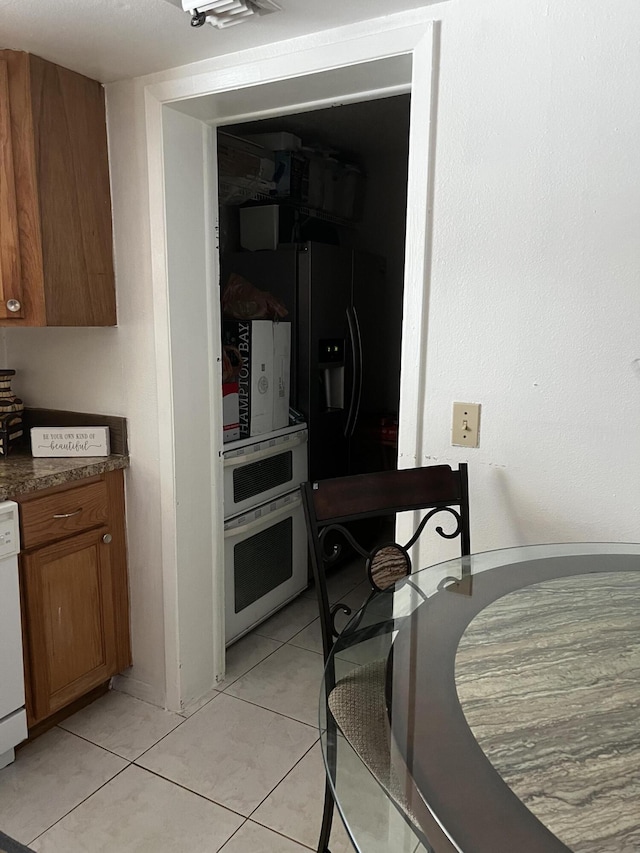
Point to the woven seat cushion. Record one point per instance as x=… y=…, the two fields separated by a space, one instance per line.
x=358 y=706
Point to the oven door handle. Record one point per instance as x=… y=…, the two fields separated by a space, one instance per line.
x=262 y=454
x=260 y=522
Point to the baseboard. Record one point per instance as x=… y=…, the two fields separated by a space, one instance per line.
x=139 y=690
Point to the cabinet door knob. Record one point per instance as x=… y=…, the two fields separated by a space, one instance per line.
x=107 y=538
x=13 y=305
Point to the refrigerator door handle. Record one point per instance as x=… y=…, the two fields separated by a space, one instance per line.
x=356 y=361
x=357 y=384
x=354 y=372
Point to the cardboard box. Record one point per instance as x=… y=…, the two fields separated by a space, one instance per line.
x=281 y=374
x=230 y=412
x=259 y=401
x=254 y=341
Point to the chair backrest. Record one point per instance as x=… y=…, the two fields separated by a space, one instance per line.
x=330 y=505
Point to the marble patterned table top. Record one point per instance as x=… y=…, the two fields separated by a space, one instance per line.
x=548 y=678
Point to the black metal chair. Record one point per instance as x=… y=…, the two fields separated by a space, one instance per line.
x=356 y=703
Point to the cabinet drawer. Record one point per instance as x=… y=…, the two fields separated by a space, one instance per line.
x=50 y=518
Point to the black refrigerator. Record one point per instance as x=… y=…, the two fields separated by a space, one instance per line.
x=341 y=342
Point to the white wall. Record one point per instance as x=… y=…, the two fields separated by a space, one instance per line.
x=113 y=371
x=535 y=300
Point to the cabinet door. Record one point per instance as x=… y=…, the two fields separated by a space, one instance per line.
x=70 y=623
x=70 y=143
x=10 y=273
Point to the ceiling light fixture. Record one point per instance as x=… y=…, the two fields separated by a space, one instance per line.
x=226 y=13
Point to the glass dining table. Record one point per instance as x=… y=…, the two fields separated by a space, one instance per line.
x=509 y=706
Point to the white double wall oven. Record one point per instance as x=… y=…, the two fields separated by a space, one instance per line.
x=265 y=541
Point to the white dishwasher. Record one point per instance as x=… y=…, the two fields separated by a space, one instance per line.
x=13 y=718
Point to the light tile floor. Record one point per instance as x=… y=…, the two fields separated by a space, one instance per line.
x=239 y=773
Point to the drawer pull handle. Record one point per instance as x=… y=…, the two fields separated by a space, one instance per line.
x=68 y=514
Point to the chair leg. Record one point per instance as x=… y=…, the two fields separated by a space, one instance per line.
x=327 y=820
x=332 y=758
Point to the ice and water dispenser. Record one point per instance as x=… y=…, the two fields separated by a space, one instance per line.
x=331 y=363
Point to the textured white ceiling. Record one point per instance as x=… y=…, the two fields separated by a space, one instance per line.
x=117 y=39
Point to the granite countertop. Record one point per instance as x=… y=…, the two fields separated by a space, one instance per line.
x=20 y=473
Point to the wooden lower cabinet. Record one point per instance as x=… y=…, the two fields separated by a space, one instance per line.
x=74 y=600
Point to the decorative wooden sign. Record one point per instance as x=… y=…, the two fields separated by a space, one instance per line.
x=70 y=441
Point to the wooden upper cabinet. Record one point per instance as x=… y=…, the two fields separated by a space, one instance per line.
x=56 y=244
x=10 y=278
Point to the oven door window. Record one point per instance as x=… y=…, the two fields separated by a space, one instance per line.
x=262 y=562
x=258 y=477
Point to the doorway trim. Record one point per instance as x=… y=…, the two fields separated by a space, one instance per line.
x=415 y=34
